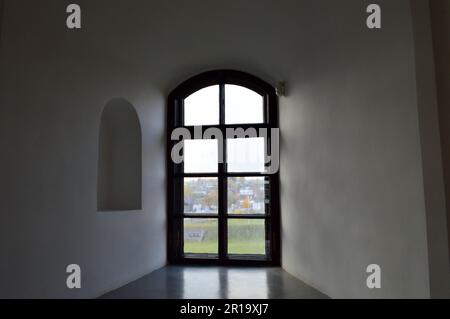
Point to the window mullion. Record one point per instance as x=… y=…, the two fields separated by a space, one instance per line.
x=222 y=182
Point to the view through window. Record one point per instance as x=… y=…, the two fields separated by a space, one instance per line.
x=226 y=203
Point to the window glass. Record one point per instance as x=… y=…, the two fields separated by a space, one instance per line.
x=242 y=105
x=201 y=196
x=200 y=156
x=246 y=195
x=201 y=236
x=246 y=155
x=202 y=107
x=246 y=236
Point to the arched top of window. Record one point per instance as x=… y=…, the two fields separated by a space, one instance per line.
x=223 y=97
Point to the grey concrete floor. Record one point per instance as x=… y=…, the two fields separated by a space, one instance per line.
x=206 y=282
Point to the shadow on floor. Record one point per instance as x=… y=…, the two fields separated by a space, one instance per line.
x=205 y=282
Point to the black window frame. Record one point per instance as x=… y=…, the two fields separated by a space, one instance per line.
x=175 y=174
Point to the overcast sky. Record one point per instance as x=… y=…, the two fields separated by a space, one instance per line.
x=241 y=106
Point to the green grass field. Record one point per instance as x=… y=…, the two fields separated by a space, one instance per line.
x=245 y=236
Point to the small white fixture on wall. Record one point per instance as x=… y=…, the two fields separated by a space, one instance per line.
x=281 y=88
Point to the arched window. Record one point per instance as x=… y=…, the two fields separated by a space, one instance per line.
x=223 y=197
x=120 y=158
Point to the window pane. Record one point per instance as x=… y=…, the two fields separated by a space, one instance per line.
x=246 y=195
x=246 y=236
x=242 y=105
x=201 y=236
x=200 y=196
x=202 y=107
x=245 y=154
x=200 y=156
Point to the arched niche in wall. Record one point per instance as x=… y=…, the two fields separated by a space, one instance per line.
x=119 y=185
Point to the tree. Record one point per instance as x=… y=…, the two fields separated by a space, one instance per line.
x=246 y=204
x=210 y=199
x=188 y=193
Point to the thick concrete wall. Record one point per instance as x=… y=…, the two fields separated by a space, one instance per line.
x=352 y=184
